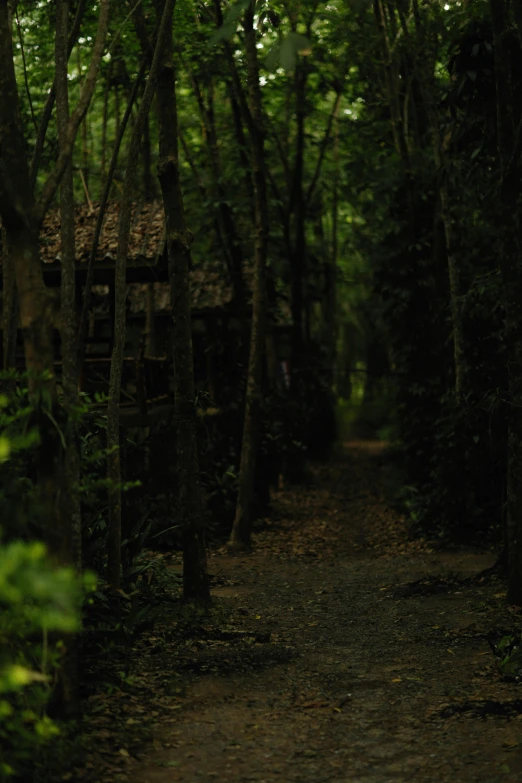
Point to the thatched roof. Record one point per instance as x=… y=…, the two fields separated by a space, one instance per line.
x=146 y=262
x=146 y=239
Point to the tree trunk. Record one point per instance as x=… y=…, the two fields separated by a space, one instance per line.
x=179 y=238
x=332 y=288
x=70 y=499
x=227 y=228
x=509 y=262
x=49 y=104
x=22 y=218
x=242 y=528
x=298 y=259
x=455 y=286
x=85 y=165
x=329 y=303
x=9 y=314
x=17 y=211
x=120 y=291
x=82 y=329
x=148 y=187
x=105 y=119
x=69 y=513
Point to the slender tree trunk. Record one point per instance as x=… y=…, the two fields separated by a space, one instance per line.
x=332 y=288
x=150 y=324
x=242 y=528
x=105 y=119
x=148 y=188
x=298 y=259
x=120 y=288
x=509 y=262
x=241 y=112
x=116 y=111
x=10 y=312
x=394 y=102
x=69 y=515
x=77 y=115
x=49 y=104
x=70 y=500
x=85 y=153
x=456 y=292
x=329 y=298
x=242 y=146
x=22 y=218
x=228 y=231
x=89 y=278
x=179 y=238
x=454 y=272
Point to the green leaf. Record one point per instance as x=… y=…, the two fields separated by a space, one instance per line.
x=288 y=54
x=285 y=51
x=511 y=666
x=272 y=57
x=223 y=34
x=5 y=449
x=235 y=11
x=230 y=21
x=301 y=43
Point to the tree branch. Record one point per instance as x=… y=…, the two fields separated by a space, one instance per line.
x=24 y=63
x=48 y=108
x=237 y=87
x=120 y=29
x=101 y=213
x=282 y=156
x=77 y=116
x=324 y=144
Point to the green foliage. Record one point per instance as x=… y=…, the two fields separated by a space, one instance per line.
x=286 y=50
x=391 y=276
x=39 y=602
x=230 y=21
x=508 y=655
x=18 y=507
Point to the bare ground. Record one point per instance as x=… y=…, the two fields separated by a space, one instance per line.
x=341 y=651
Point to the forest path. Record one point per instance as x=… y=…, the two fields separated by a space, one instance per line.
x=350 y=655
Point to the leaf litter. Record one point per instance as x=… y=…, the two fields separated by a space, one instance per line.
x=340 y=650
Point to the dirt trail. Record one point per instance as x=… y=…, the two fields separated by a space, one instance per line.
x=347 y=671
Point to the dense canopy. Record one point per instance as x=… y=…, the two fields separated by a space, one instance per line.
x=234 y=235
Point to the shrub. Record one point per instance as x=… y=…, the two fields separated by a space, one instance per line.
x=37 y=601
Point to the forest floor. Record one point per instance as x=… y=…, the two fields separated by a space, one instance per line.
x=340 y=650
